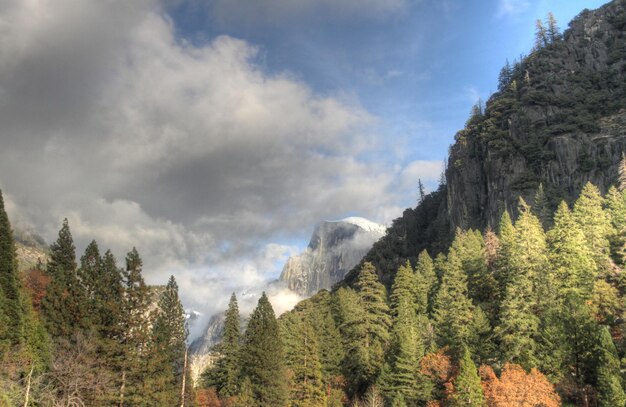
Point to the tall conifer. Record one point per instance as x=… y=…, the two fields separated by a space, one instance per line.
x=65 y=305
x=453 y=309
x=11 y=304
x=610 y=390
x=227 y=367
x=262 y=359
x=467 y=388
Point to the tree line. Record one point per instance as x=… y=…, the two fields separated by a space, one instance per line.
x=86 y=332
x=529 y=315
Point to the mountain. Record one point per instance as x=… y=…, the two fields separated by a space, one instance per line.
x=335 y=247
x=558 y=120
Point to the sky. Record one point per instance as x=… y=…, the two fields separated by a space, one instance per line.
x=214 y=134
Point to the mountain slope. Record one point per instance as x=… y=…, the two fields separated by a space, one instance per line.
x=558 y=119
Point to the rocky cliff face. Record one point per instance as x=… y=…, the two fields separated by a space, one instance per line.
x=559 y=120
x=334 y=249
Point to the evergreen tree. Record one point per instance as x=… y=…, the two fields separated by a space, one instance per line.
x=90 y=275
x=570 y=257
x=262 y=359
x=467 y=388
x=506 y=73
x=425 y=279
x=302 y=360
x=65 y=304
x=403 y=289
x=364 y=323
x=320 y=316
x=541 y=35
x=526 y=260
x=616 y=208
x=552 y=30
x=506 y=237
x=422 y=193
x=594 y=222
x=135 y=329
x=541 y=207
x=610 y=390
x=12 y=310
x=350 y=315
x=375 y=319
x=227 y=367
x=402 y=376
x=166 y=353
x=453 y=310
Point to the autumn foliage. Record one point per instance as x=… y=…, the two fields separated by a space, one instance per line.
x=207 y=398
x=515 y=387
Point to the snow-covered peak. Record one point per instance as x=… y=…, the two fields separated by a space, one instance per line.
x=365 y=224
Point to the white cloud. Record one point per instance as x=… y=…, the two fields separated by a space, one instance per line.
x=511 y=7
x=193 y=154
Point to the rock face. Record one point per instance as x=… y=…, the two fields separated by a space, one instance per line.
x=558 y=119
x=335 y=248
x=561 y=121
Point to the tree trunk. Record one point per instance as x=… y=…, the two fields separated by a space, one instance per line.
x=182 y=390
x=122 y=388
x=27 y=396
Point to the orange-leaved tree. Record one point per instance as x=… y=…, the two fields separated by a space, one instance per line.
x=516 y=387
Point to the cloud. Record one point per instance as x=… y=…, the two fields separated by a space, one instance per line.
x=194 y=154
x=511 y=7
x=428 y=171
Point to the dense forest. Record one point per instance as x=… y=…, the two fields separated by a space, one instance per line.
x=468 y=300
x=88 y=333
x=530 y=315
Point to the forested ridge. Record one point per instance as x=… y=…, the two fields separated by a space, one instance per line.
x=503 y=287
x=86 y=332
x=529 y=315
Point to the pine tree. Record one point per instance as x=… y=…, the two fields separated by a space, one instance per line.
x=553 y=33
x=526 y=260
x=506 y=73
x=453 y=309
x=541 y=35
x=403 y=289
x=570 y=257
x=610 y=390
x=541 y=207
x=302 y=360
x=262 y=359
x=503 y=267
x=422 y=193
x=402 y=377
x=467 y=388
x=364 y=324
x=65 y=305
x=227 y=368
x=90 y=275
x=166 y=351
x=11 y=303
x=616 y=208
x=594 y=222
x=481 y=284
x=376 y=320
x=135 y=329
x=425 y=280
x=321 y=318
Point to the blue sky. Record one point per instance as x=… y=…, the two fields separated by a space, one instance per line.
x=418 y=69
x=214 y=134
